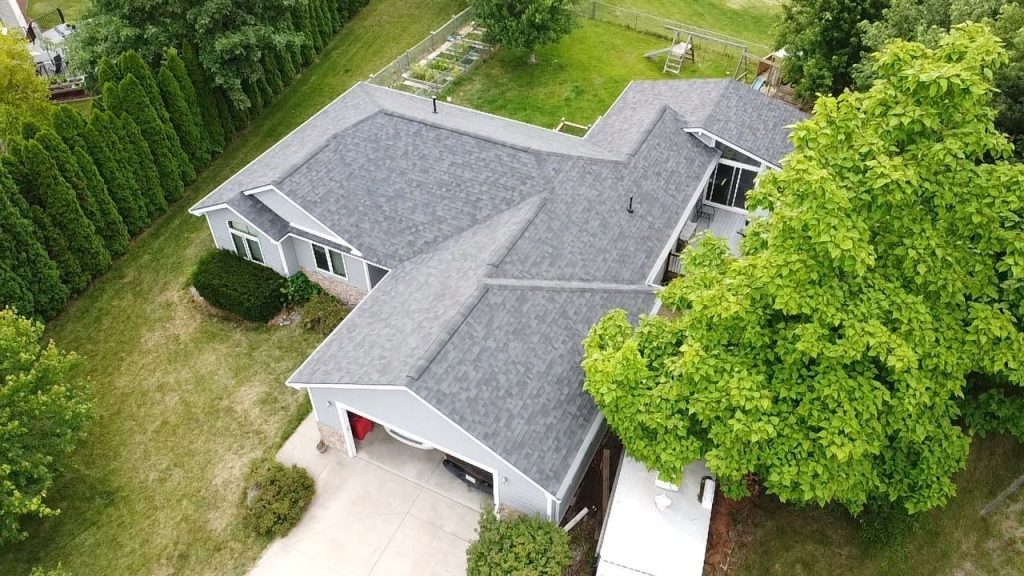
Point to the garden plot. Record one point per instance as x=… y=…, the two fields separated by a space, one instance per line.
x=440 y=68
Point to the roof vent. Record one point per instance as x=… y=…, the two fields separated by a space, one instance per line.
x=435 y=104
x=629 y=207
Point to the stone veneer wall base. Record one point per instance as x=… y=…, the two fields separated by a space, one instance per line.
x=348 y=294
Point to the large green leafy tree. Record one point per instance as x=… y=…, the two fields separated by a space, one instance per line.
x=23 y=94
x=830 y=359
x=25 y=257
x=823 y=43
x=526 y=23
x=231 y=39
x=926 y=21
x=44 y=406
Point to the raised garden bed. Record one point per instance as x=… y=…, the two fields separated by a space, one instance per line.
x=454 y=58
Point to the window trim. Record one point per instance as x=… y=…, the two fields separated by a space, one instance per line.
x=734 y=185
x=246 y=238
x=330 y=262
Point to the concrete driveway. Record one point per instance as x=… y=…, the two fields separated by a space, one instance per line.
x=391 y=511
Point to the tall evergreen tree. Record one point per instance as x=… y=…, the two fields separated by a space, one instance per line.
x=26 y=257
x=105 y=148
x=174 y=64
x=145 y=166
x=132 y=65
x=130 y=98
x=43 y=186
x=71 y=174
x=70 y=125
x=14 y=294
x=112 y=227
x=186 y=124
x=108 y=72
x=49 y=235
x=206 y=99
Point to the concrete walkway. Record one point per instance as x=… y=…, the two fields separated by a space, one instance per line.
x=391 y=511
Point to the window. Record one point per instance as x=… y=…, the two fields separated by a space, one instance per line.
x=329 y=260
x=729 y=185
x=247 y=244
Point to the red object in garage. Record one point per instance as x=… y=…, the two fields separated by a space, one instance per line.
x=360 y=426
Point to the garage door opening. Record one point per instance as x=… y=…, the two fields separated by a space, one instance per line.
x=414 y=459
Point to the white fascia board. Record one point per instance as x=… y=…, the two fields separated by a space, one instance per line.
x=333 y=235
x=704 y=132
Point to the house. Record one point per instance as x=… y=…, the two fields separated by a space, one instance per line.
x=480 y=251
x=12 y=15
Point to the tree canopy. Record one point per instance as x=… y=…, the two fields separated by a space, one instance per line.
x=43 y=407
x=23 y=95
x=830 y=359
x=823 y=43
x=525 y=23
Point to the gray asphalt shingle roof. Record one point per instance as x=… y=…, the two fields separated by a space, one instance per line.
x=506 y=243
x=726 y=108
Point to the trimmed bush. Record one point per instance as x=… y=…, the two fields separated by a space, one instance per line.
x=322 y=313
x=275 y=496
x=236 y=285
x=298 y=289
x=517 y=544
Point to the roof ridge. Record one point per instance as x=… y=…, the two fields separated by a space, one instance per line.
x=316 y=151
x=494 y=139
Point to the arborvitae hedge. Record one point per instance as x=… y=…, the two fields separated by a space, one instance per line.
x=129 y=97
x=232 y=283
x=71 y=274
x=25 y=256
x=105 y=149
x=137 y=147
x=45 y=187
x=211 y=132
x=111 y=227
x=89 y=190
x=185 y=121
x=70 y=125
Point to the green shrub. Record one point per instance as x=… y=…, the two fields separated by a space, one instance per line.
x=322 y=313
x=236 y=285
x=517 y=544
x=298 y=289
x=275 y=496
x=886 y=525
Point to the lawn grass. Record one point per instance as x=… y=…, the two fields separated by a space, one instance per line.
x=72 y=9
x=183 y=401
x=791 y=541
x=752 y=21
x=577 y=79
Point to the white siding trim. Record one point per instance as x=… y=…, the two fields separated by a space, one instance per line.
x=698 y=196
x=243 y=218
x=701 y=131
x=346 y=431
